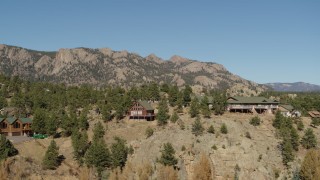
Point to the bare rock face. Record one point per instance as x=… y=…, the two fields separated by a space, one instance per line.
x=106 y=67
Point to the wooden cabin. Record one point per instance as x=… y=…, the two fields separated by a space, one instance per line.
x=12 y=126
x=141 y=110
x=252 y=105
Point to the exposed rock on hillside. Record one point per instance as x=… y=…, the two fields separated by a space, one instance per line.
x=104 y=66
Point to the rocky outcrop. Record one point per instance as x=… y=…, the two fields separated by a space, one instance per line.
x=107 y=67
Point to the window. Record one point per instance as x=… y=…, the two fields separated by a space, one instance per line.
x=16 y=125
x=3 y=125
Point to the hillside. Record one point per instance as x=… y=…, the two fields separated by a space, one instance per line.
x=294 y=87
x=107 y=67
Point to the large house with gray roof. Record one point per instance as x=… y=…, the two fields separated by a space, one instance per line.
x=252 y=105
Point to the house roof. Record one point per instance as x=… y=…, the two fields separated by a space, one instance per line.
x=287 y=107
x=314 y=113
x=251 y=100
x=146 y=105
x=11 y=120
x=26 y=120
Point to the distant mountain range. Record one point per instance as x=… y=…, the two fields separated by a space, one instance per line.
x=294 y=87
x=104 y=66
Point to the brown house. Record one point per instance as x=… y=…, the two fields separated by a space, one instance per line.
x=15 y=126
x=141 y=110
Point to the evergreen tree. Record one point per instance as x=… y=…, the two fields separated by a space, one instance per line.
x=80 y=145
x=180 y=103
x=106 y=112
x=51 y=125
x=39 y=121
x=162 y=116
x=187 y=95
x=173 y=95
x=51 y=158
x=211 y=130
x=98 y=156
x=287 y=151
x=68 y=123
x=294 y=139
x=6 y=148
x=309 y=139
x=98 y=131
x=197 y=128
x=119 y=153
x=194 y=108
x=278 y=120
x=3 y=102
x=167 y=155
x=224 y=129
x=83 y=122
x=300 y=125
x=174 y=118
x=205 y=107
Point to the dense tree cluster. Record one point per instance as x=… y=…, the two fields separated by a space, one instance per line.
x=6 y=148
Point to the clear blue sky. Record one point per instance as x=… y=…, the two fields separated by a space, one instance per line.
x=261 y=40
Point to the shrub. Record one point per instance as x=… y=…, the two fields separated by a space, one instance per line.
x=310 y=168
x=255 y=121
x=214 y=147
x=224 y=129
x=202 y=169
x=174 y=117
x=211 y=129
x=183 y=148
x=315 y=122
x=149 y=132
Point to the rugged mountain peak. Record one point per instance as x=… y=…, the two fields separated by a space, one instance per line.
x=178 y=59
x=153 y=57
x=107 y=67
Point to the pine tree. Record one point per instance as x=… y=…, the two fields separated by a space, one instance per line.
x=173 y=95
x=6 y=148
x=294 y=139
x=51 y=125
x=98 y=156
x=309 y=139
x=278 y=120
x=300 y=125
x=197 y=128
x=51 y=158
x=287 y=151
x=83 y=122
x=98 y=131
x=162 y=116
x=315 y=122
x=106 y=112
x=80 y=145
x=39 y=121
x=187 y=95
x=119 y=153
x=167 y=155
x=194 y=108
x=3 y=102
x=174 y=118
x=205 y=107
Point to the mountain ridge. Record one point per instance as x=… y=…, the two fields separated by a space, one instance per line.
x=104 y=66
x=294 y=87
